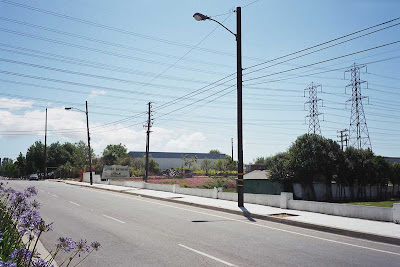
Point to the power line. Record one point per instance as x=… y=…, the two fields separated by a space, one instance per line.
x=324 y=43
x=111 y=43
x=323 y=61
x=107 y=52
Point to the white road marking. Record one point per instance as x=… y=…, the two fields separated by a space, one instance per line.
x=113 y=218
x=41 y=190
x=259 y=225
x=74 y=203
x=207 y=255
x=54 y=195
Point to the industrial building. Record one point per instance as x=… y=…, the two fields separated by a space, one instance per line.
x=168 y=160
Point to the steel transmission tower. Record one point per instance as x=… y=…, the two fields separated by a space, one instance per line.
x=313 y=121
x=358 y=132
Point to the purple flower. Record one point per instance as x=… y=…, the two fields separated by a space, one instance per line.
x=35 y=204
x=21 y=254
x=95 y=245
x=31 y=191
x=7 y=264
x=28 y=221
x=65 y=244
x=82 y=246
x=40 y=263
x=17 y=198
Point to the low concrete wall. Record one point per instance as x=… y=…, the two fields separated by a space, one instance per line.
x=160 y=187
x=96 y=177
x=284 y=201
x=209 y=193
x=228 y=196
x=116 y=182
x=352 y=211
x=266 y=200
x=135 y=184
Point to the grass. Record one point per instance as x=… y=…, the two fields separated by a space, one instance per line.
x=383 y=204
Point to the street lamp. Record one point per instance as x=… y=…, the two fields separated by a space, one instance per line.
x=238 y=35
x=88 y=136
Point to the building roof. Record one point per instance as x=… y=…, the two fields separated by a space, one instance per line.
x=175 y=155
x=392 y=159
x=256 y=174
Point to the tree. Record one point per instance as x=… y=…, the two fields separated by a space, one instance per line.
x=58 y=154
x=279 y=167
x=113 y=152
x=154 y=167
x=214 y=151
x=189 y=161
x=206 y=165
x=311 y=158
x=260 y=161
x=81 y=156
x=395 y=177
x=35 y=158
x=21 y=164
x=8 y=168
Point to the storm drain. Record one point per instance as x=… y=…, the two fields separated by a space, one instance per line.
x=282 y=215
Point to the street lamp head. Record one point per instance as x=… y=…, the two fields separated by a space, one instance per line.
x=68 y=108
x=200 y=17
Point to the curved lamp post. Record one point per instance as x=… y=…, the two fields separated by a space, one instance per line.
x=88 y=136
x=238 y=35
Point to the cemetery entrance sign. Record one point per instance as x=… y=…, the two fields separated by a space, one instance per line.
x=115 y=172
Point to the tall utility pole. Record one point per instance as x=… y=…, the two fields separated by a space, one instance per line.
x=358 y=132
x=238 y=36
x=313 y=121
x=88 y=137
x=90 y=151
x=149 y=125
x=343 y=138
x=45 y=148
x=232 y=147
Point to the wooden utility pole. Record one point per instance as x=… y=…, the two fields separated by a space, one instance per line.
x=149 y=124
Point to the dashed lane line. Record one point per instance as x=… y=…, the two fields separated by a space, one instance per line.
x=207 y=255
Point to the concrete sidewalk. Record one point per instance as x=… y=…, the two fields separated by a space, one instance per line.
x=371 y=230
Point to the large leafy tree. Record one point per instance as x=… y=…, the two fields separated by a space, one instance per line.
x=35 y=158
x=278 y=167
x=81 y=155
x=314 y=158
x=60 y=154
x=214 y=151
x=113 y=152
x=395 y=177
x=21 y=164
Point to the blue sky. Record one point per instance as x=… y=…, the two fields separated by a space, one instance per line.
x=155 y=51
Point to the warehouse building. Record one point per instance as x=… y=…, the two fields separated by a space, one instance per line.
x=168 y=160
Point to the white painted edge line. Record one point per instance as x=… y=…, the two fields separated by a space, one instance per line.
x=76 y=204
x=41 y=190
x=54 y=195
x=113 y=218
x=260 y=225
x=207 y=255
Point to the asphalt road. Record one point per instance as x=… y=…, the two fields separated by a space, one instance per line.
x=136 y=231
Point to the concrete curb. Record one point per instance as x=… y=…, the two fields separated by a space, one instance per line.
x=40 y=248
x=322 y=228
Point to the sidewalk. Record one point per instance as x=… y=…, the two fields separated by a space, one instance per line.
x=371 y=230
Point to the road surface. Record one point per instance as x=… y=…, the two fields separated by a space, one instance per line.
x=136 y=231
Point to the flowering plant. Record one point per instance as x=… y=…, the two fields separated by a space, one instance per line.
x=19 y=220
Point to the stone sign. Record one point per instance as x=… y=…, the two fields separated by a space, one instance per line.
x=115 y=172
